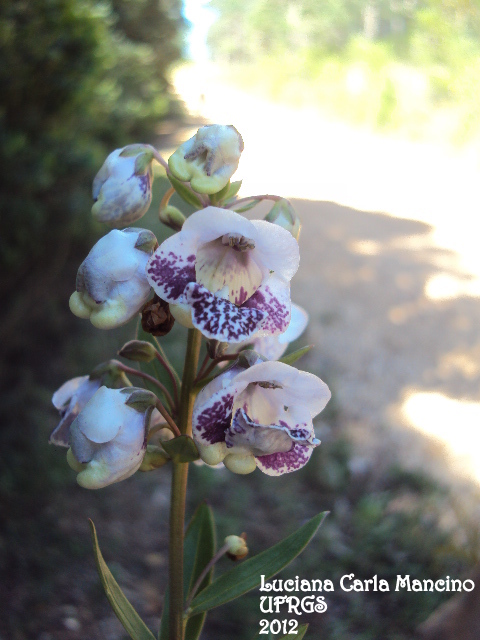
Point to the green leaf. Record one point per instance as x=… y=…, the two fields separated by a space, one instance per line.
x=246 y=207
x=301 y=631
x=181 y=449
x=233 y=189
x=131 y=621
x=226 y=194
x=199 y=548
x=184 y=192
x=296 y=355
x=246 y=576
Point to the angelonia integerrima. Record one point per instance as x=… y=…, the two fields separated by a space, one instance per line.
x=224 y=277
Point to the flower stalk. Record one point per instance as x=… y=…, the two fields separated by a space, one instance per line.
x=179 y=490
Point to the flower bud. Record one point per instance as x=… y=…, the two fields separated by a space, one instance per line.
x=156 y=317
x=216 y=349
x=155 y=457
x=171 y=217
x=138 y=351
x=108 y=439
x=283 y=214
x=122 y=189
x=109 y=374
x=237 y=547
x=209 y=159
x=112 y=284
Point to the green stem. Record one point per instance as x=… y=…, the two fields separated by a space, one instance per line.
x=179 y=490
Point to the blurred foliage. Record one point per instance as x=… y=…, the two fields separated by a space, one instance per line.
x=410 y=64
x=78 y=78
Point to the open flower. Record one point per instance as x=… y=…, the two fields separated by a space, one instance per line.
x=122 y=189
x=259 y=417
x=209 y=159
x=70 y=399
x=74 y=394
x=108 y=438
x=273 y=347
x=226 y=275
x=111 y=282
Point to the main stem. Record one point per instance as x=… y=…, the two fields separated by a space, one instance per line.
x=179 y=490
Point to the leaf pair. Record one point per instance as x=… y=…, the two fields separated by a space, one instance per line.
x=199 y=549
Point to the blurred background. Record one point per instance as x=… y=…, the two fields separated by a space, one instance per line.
x=366 y=115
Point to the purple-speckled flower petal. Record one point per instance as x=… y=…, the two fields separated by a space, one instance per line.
x=276 y=464
x=273 y=298
x=172 y=267
x=218 y=318
x=211 y=419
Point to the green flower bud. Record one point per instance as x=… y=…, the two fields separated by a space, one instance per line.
x=283 y=214
x=155 y=457
x=171 y=217
x=209 y=159
x=237 y=547
x=138 y=351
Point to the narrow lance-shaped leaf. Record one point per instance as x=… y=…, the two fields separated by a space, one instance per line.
x=199 y=549
x=246 y=576
x=291 y=358
x=131 y=621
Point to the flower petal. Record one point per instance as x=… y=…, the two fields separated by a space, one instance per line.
x=172 y=267
x=276 y=464
x=246 y=435
x=219 y=264
x=220 y=319
x=273 y=298
x=211 y=419
x=298 y=323
x=64 y=394
x=278 y=248
x=297 y=387
x=102 y=417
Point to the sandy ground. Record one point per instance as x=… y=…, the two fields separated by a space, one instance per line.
x=390 y=270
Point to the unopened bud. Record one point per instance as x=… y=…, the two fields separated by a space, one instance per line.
x=110 y=375
x=171 y=217
x=209 y=159
x=155 y=457
x=283 y=214
x=138 y=351
x=216 y=349
x=237 y=546
x=122 y=189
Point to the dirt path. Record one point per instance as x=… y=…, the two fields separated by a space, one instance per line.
x=393 y=296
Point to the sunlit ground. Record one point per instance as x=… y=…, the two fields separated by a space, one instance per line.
x=300 y=153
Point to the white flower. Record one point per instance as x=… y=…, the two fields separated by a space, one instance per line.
x=260 y=416
x=273 y=347
x=108 y=438
x=209 y=159
x=122 y=189
x=226 y=275
x=111 y=282
x=70 y=400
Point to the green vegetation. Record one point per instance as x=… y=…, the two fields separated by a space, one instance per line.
x=394 y=65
